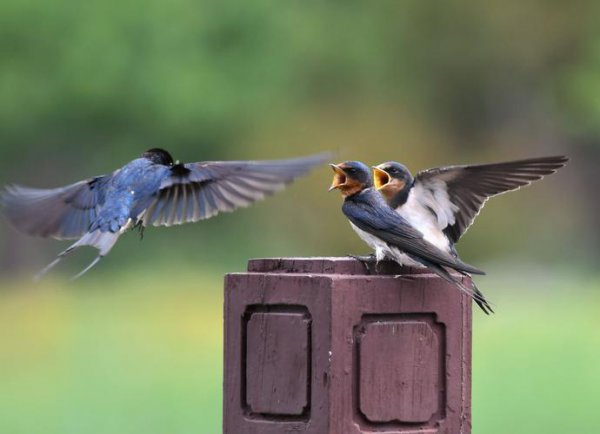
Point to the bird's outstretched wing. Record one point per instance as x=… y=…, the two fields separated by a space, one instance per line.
x=197 y=191
x=61 y=213
x=467 y=188
x=375 y=217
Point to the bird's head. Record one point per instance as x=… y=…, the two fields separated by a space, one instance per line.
x=158 y=156
x=350 y=177
x=391 y=178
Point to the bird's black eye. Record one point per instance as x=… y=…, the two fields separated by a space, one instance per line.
x=351 y=170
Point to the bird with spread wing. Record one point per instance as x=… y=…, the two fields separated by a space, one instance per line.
x=416 y=221
x=152 y=190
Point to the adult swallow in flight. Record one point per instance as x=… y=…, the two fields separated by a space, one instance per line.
x=150 y=190
x=442 y=203
x=391 y=235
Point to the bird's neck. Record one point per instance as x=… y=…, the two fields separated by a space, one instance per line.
x=399 y=198
x=357 y=194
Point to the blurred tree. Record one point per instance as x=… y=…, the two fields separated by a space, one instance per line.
x=86 y=87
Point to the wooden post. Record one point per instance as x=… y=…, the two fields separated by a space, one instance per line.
x=320 y=346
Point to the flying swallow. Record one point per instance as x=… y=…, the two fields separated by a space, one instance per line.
x=152 y=190
x=391 y=235
x=442 y=202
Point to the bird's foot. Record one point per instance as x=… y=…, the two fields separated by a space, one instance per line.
x=404 y=277
x=140 y=227
x=367 y=261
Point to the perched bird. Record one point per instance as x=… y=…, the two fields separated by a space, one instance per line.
x=443 y=202
x=150 y=190
x=391 y=235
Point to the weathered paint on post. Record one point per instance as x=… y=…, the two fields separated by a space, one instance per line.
x=320 y=346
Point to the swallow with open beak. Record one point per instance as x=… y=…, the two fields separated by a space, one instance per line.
x=152 y=190
x=442 y=203
x=391 y=235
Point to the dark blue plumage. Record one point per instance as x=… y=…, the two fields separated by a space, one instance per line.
x=150 y=190
x=390 y=235
x=128 y=190
x=368 y=211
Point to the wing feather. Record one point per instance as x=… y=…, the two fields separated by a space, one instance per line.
x=61 y=213
x=197 y=191
x=469 y=187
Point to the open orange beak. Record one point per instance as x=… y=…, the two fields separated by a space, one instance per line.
x=339 y=178
x=380 y=177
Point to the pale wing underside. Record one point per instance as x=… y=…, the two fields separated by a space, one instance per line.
x=469 y=187
x=199 y=191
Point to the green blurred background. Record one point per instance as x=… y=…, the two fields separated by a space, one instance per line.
x=136 y=345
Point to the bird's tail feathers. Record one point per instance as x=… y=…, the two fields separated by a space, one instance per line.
x=461 y=267
x=480 y=299
x=473 y=292
x=103 y=241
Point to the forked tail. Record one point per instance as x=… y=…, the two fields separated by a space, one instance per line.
x=473 y=292
x=103 y=241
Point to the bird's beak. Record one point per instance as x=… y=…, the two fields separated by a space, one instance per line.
x=380 y=177
x=339 y=178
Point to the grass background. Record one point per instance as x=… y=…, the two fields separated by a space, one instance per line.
x=140 y=351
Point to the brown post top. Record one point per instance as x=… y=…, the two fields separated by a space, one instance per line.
x=328 y=265
x=329 y=346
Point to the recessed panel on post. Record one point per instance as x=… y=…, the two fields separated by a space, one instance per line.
x=277 y=367
x=399 y=372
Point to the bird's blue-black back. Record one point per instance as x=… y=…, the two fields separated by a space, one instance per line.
x=128 y=192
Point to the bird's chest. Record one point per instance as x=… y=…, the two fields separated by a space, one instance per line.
x=425 y=221
x=378 y=246
x=383 y=250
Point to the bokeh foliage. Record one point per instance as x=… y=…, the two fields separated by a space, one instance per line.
x=86 y=87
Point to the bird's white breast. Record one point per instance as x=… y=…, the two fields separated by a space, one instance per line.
x=417 y=211
x=403 y=259
x=383 y=249
x=379 y=246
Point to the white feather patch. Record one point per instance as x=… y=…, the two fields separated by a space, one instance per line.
x=379 y=246
x=403 y=258
x=429 y=210
x=383 y=249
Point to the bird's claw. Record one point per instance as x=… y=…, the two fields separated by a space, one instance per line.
x=366 y=261
x=404 y=277
x=140 y=227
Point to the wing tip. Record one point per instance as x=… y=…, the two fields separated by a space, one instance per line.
x=6 y=191
x=551 y=162
x=463 y=266
x=310 y=161
x=560 y=160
